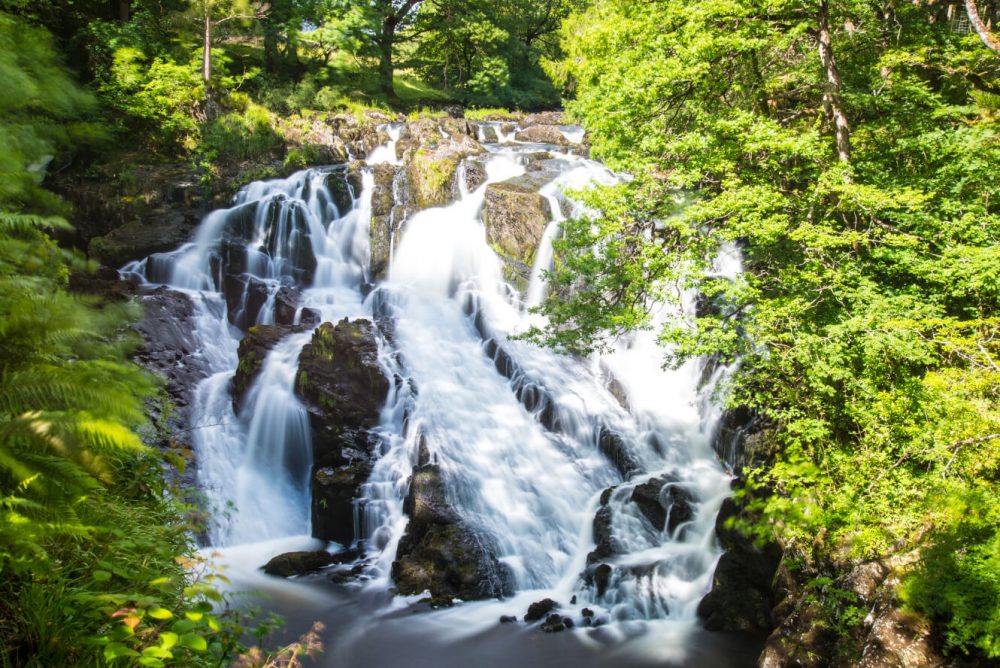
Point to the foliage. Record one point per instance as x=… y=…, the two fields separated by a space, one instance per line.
x=867 y=314
x=96 y=563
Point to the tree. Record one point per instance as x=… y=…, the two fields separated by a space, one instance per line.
x=393 y=16
x=210 y=14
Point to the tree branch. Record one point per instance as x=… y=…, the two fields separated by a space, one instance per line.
x=988 y=38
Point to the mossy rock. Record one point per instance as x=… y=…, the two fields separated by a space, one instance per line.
x=515 y=215
x=441 y=553
x=253 y=350
x=432 y=168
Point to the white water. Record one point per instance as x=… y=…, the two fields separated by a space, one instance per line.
x=528 y=479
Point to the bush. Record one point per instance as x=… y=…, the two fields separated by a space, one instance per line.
x=236 y=137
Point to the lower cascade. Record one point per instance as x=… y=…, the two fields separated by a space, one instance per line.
x=368 y=405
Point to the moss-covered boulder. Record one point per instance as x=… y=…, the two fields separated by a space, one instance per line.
x=343 y=388
x=515 y=215
x=440 y=552
x=433 y=166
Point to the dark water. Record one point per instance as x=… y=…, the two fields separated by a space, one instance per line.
x=367 y=630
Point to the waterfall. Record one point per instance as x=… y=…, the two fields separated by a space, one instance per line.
x=548 y=457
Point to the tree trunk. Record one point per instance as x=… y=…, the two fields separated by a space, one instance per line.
x=988 y=38
x=831 y=95
x=124 y=8
x=385 y=66
x=206 y=52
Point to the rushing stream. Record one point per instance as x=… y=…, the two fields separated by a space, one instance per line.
x=527 y=441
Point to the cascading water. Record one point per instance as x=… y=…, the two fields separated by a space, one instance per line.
x=532 y=445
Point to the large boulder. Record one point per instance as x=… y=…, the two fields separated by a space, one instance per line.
x=515 y=215
x=343 y=388
x=433 y=166
x=440 y=552
x=543 y=134
x=245 y=297
x=157 y=231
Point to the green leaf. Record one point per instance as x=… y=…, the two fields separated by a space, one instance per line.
x=194 y=642
x=159 y=613
x=115 y=650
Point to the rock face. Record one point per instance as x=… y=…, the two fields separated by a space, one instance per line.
x=169 y=347
x=886 y=637
x=516 y=215
x=158 y=231
x=342 y=386
x=664 y=503
x=441 y=553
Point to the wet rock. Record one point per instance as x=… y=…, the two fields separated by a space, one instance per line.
x=355 y=176
x=382 y=231
x=741 y=598
x=432 y=167
x=297 y=563
x=487 y=134
x=245 y=296
x=744 y=439
x=664 y=503
x=587 y=613
x=568 y=622
x=515 y=216
x=290 y=241
x=253 y=350
x=544 y=118
x=602 y=578
x=169 y=346
x=543 y=134
x=614 y=448
x=554 y=624
x=344 y=188
x=343 y=388
x=475 y=174
x=441 y=553
x=540 y=609
x=286 y=304
x=606 y=546
x=508 y=619
x=157 y=231
x=309 y=317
